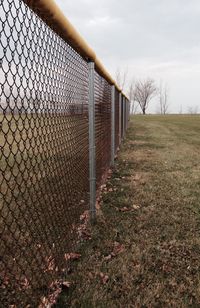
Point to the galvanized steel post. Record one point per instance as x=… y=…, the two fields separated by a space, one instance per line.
x=120 y=117
x=124 y=116
x=123 y=108
x=113 y=126
x=128 y=114
x=92 y=162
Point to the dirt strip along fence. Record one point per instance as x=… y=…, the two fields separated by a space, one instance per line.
x=61 y=123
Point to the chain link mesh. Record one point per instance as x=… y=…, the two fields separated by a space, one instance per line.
x=44 y=152
x=102 y=97
x=122 y=116
x=116 y=120
x=44 y=158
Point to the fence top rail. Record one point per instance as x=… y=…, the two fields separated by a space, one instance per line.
x=52 y=15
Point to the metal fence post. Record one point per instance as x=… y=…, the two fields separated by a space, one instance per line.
x=113 y=126
x=120 y=117
x=126 y=114
x=92 y=162
x=123 y=117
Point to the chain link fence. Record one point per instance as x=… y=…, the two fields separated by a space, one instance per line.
x=117 y=132
x=102 y=101
x=45 y=146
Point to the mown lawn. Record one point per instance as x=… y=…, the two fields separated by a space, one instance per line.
x=145 y=246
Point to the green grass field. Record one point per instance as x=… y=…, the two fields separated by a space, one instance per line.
x=151 y=208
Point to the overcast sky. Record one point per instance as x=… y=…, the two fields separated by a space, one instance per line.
x=149 y=38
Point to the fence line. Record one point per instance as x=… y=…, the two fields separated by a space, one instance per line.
x=62 y=119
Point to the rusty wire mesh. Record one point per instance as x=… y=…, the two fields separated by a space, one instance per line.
x=44 y=153
x=102 y=97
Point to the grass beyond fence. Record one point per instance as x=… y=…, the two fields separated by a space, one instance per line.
x=145 y=247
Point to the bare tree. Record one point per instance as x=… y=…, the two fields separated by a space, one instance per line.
x=131 y=95
x=144 y=91
x=121 y=78
x=193 y=109
x=163 y=98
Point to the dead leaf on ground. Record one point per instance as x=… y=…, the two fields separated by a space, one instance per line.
x=135 y=206
x=90 y=275
x=118 y=248
x=51 y=299
x=103 y=186
x=50 y=264
x=72 y=256
x=125 y=209
x=97 y=205
x=83 y=233
x=107 y=258
x=104 y=278
x=66 y=284
x=84 y=216
x=25 y=284
x=110 y=171
x=136 y=177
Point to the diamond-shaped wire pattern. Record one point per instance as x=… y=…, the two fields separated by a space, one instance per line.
x=44 y=152
x=116 y=119
x=122 y=115
x=44 y=158
x=102 y=97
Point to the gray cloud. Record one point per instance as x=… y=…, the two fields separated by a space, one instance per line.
x=156 y=38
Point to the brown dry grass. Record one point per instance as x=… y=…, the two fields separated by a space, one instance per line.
x=153 y=212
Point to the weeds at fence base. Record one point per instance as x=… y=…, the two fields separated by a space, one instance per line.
x=105 y=244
